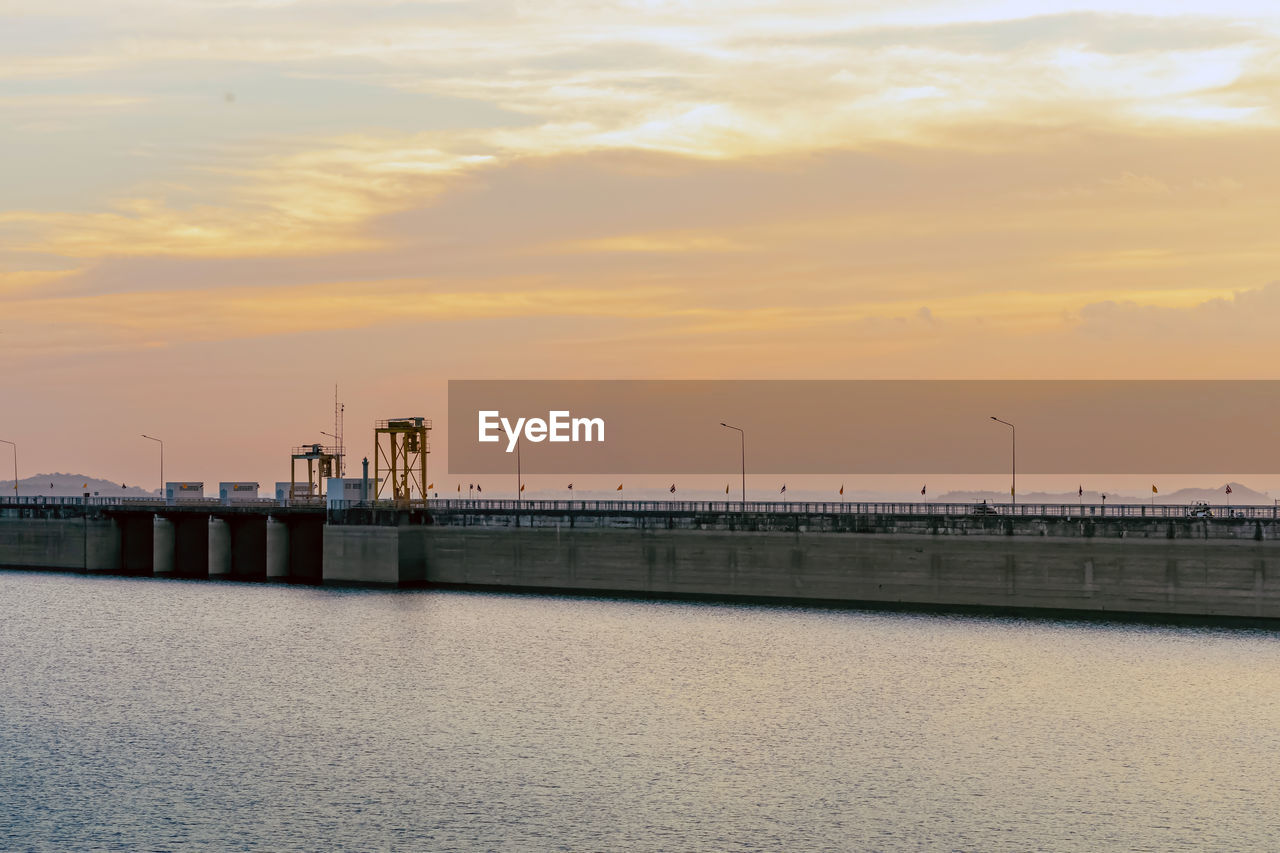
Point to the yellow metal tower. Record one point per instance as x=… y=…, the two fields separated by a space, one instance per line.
x=400 y=449
x=322 y=463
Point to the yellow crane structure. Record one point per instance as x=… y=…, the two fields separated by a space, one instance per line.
x=322 y=463
x=400 y=450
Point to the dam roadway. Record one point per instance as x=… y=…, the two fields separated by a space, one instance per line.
x=1125 y=561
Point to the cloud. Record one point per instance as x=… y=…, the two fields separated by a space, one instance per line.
x=1092 y=31
x=1020 y=235
x=1243 y=319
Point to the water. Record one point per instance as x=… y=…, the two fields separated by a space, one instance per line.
x=162 y=715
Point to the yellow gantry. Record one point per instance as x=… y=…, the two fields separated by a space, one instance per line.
x=400 y=449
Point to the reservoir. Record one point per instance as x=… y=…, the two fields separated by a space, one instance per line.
x=166 y=714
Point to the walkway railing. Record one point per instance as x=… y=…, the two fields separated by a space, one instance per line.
x=1028 y=510
x=1037 y=510
x=154 y=503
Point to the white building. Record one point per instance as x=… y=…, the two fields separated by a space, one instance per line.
x=234 y=493
x=180 y=492
x=348 y=490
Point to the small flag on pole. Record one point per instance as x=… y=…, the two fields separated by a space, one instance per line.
x=842 y=488
x=923 y=489
x=459 y=488
x=478 y=489
x=784 y=489
x=619 y=488
x=673 y=488
x=571 y=487
x=522 y=487
x=1080 y=491
x=1154 y=490
x=431 y=486
x=1228 y=488
x=726 y=488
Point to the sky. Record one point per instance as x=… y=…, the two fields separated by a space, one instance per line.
x=212 y=211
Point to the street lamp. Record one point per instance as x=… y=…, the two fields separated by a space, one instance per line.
x=743 y=435
x=1013 y=489
x=15 y=464
x=161 y=443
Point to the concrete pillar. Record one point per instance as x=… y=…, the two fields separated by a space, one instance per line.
x=277 y=548
x=101 y=545
x=163 y=538
x=219 y=548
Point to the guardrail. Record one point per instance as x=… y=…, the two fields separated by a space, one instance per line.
x=1027 y=510
x=1038 y=510
x=155 y=503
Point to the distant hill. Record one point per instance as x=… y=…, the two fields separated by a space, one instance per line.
x=74 y=485
x=1240 y=495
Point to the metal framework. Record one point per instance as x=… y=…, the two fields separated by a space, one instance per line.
x=322 y=463
x=400 y=460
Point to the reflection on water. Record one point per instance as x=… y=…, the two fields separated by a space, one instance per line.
x=163 y=714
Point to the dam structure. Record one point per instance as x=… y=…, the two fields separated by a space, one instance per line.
x=1214 y=564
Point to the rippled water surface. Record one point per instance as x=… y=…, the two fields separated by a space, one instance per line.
x=150 y=714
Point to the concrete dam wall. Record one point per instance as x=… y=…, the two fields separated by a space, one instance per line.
x=84 y=544
x=1217 y=569
x=246 y=546
x=1237 y=577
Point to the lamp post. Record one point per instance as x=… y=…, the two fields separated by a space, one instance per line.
x=1013 y=488
x=15 y=464
x=161 y=443
x=742 y=434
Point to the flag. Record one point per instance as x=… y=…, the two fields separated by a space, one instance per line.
x=842 y=488
x=784 y=489
x=459 y=488
x=673 y=488
x=522 y=487
x=478 y=489
x=1228 y=488
x=619 y=488
x=1154 y=490
x=571 y=487
x=1080 y=491
x=470 y=486
x=430 y=486
x=726 y=488
x=923 y=488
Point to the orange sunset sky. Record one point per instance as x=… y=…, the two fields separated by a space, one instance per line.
x=211 y=212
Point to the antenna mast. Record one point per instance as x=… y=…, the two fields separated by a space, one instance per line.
x=338 y=411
